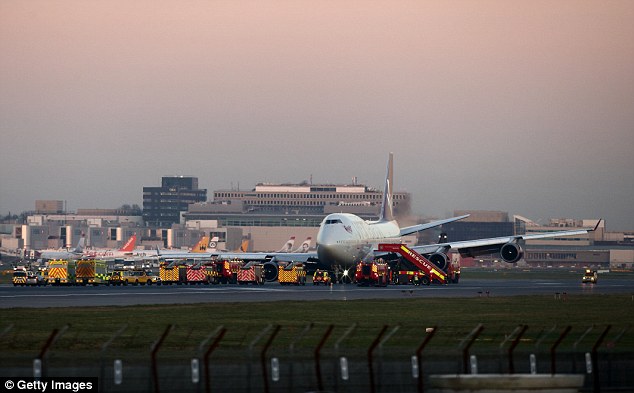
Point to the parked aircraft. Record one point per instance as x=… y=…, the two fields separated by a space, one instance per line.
x=73 y=253
x=123 y=252
x=344 y=239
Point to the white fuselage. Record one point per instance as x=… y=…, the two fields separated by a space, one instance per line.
x=345 y=239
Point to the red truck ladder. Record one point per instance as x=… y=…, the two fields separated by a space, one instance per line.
x=418 y=260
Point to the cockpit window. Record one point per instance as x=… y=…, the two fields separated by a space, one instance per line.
x=335 y=221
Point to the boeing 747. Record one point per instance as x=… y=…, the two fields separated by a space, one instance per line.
x=344 y=239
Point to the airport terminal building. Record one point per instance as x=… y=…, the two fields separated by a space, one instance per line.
x=295 y=205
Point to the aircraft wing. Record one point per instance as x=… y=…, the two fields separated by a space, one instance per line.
x=422 y=227
x=472 y=248
x=270 y=256
x=247 y=256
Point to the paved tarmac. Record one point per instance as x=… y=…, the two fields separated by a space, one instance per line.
x=179 y=294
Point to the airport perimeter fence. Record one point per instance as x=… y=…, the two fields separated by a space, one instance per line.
x=320 y=357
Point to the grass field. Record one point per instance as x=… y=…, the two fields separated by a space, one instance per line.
x=306 y=322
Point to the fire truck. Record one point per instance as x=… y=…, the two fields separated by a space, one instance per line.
x=61 y=272
x=90 y=271
x=375 y=273
x=196 y=274
x=426 y=271
x=227 y=271
x=169 y=272
x=291 y=273
x=251 y=273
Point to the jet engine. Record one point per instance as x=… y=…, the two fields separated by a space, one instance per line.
x=511 y=252
x=270 y=271
x=440 y=260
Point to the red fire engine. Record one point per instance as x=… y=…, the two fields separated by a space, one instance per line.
x=251 y=273
x=428 y=272
x=375 y=273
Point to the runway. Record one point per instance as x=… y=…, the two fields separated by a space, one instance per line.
x=185 y=294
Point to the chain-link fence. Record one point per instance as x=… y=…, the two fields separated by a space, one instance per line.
x=319 y=357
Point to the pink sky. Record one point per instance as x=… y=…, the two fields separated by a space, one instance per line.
x=521 y=106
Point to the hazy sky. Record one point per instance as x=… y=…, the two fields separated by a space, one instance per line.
x=520 y=106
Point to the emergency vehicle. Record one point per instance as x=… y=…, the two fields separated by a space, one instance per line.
x=61 y=272
x=375 y=273
x=227 y=271
x=90 y=271
x=36 y=278
x=168 y=272
x=321 y=277
x=291 y=273
x=427 y=272
x=251 y=273
x=590 y=276
x=132 y=276
x=196 y=274
x=19 y=276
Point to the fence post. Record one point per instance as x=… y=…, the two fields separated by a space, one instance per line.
x=342 y=361
x=320 y=384
x=263 y=357
x=512 y=348
x=55 y=334
x=104 y=348
x=469 y=340
x=155 y=348
x=553 y=363
x=508 y=337
x=212 y=348
x=370 y=350
x=595 y=360
x=419 y=359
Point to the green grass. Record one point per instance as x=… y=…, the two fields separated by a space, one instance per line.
x=455 y=318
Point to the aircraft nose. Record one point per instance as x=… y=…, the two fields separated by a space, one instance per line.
x=324 y=253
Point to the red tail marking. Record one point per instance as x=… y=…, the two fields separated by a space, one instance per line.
x=129 y=246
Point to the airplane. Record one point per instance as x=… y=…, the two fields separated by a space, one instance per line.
x=74 y=253
x=125 y=251
x=345 y=239
x=331 y=237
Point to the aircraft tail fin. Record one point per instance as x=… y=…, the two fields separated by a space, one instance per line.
x=288 y=246
x=129 y=245
x=81 y=244
x=213 y=244
x=387 y=209
x=201 y=246
x=305 y=246
x=244 y=246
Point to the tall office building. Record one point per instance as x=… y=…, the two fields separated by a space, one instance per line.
x=163 y=205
